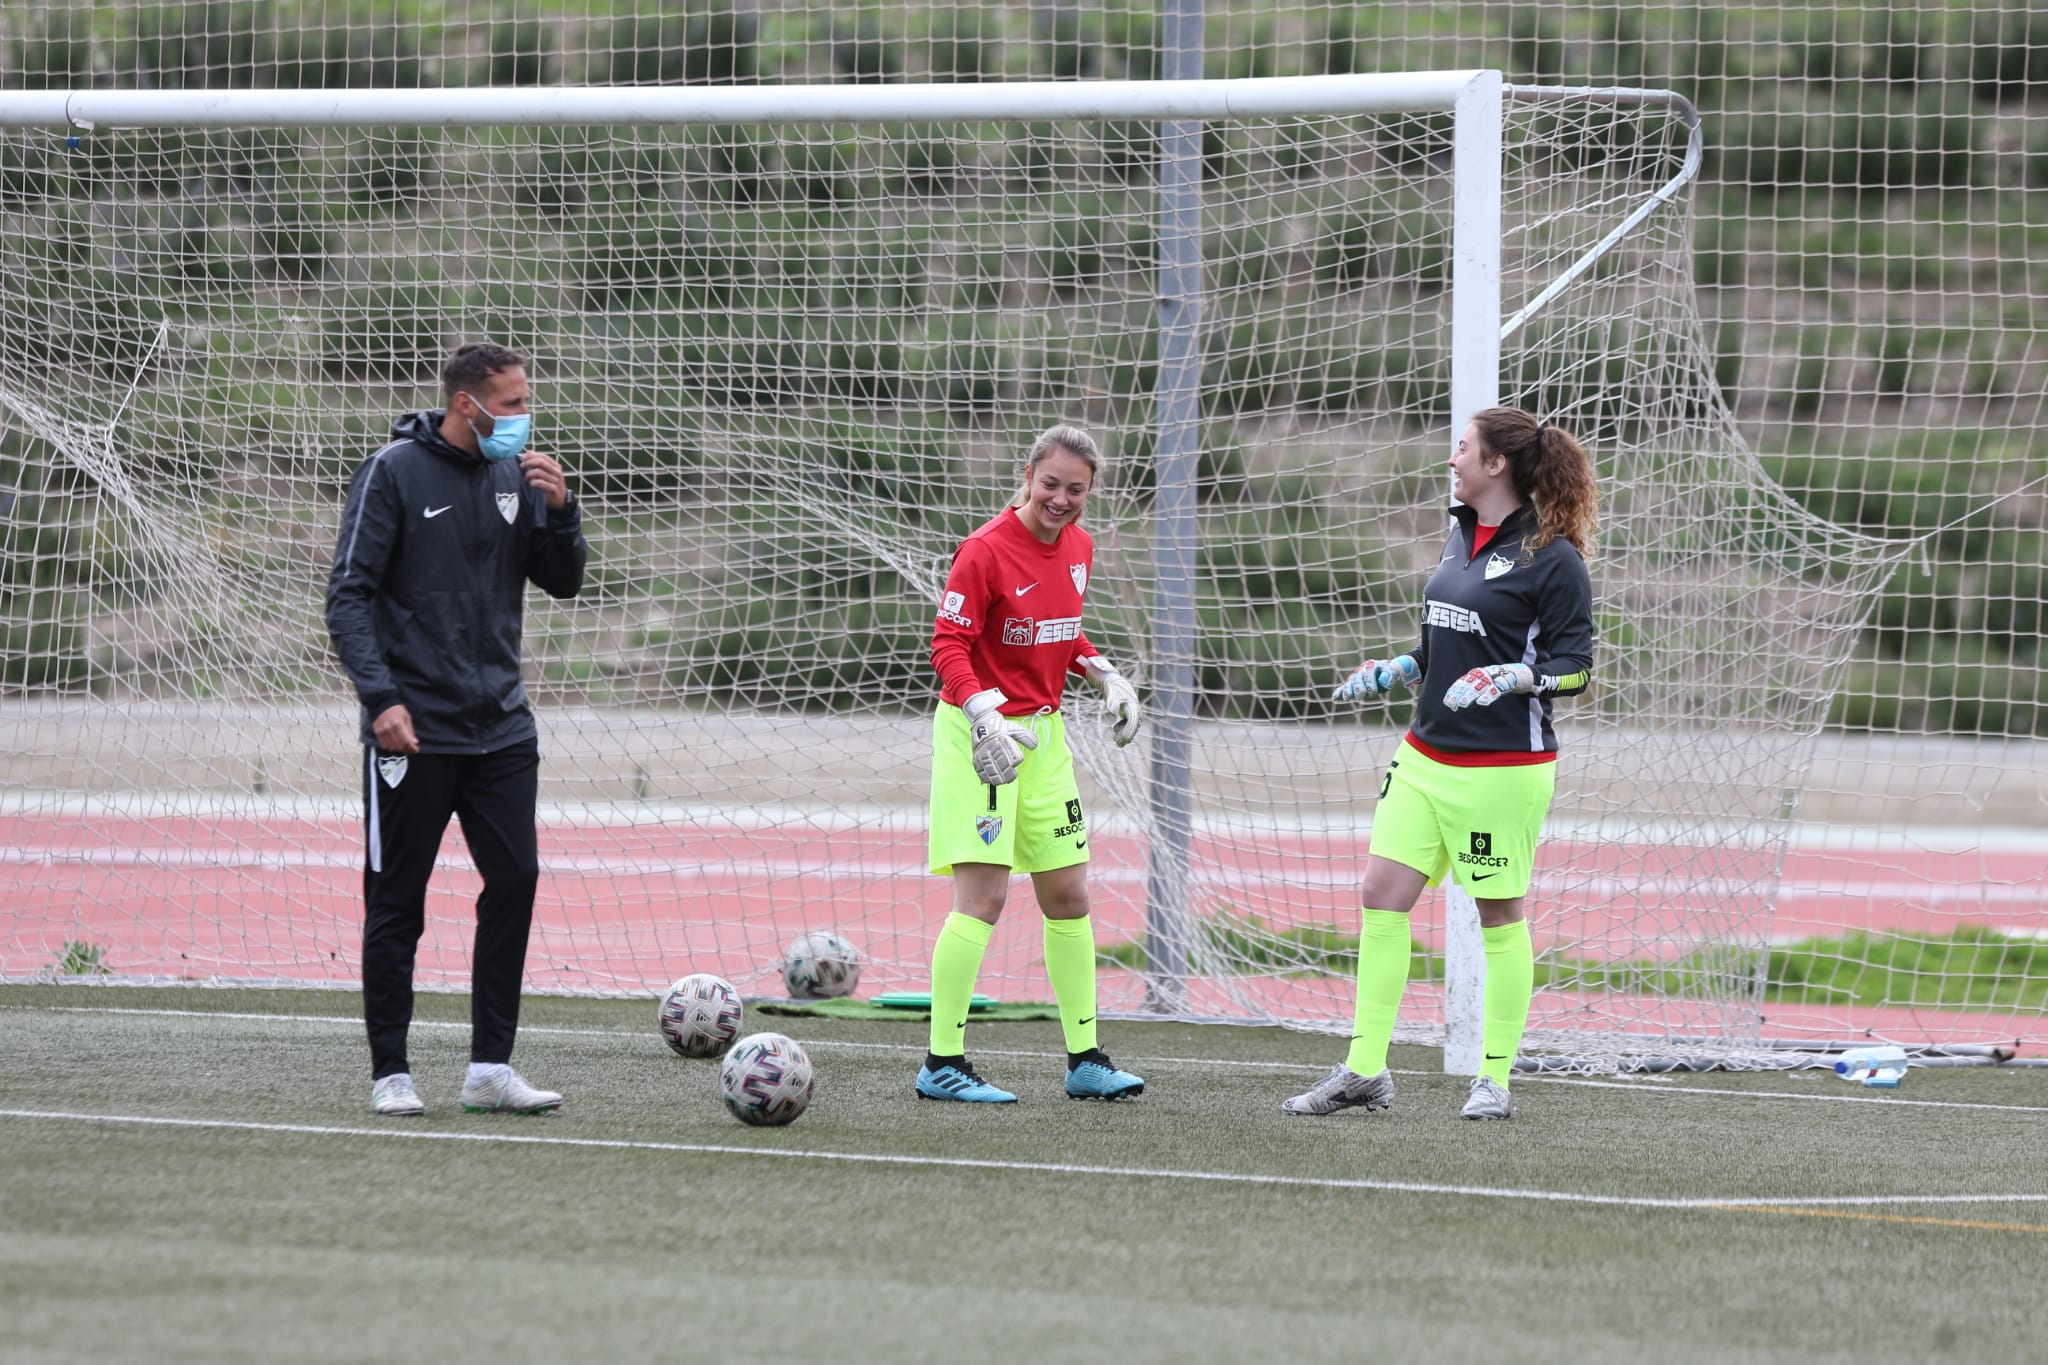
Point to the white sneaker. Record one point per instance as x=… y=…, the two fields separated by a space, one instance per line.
x=1488 y=1100
x=394 y=1097
x=497 y=1088
x=1344 y=1088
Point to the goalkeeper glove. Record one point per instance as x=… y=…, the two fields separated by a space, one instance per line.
x=998 y=740
x=1488 y=685
x=1373 y=678
x=1117 y=694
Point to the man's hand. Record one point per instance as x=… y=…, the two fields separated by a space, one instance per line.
x=543 y=473
x=1486 y=686
x=1117 y=694
x=1373 y=678
x=393 y=729
x=998 y=740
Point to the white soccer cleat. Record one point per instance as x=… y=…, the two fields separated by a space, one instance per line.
x=498 y=1089
x=1344 y=1088
x=1488 y=1100
x=394 y=1097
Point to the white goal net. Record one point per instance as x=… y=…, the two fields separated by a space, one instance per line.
x=789 y=362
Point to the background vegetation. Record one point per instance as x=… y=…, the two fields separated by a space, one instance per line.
x=1873 y=244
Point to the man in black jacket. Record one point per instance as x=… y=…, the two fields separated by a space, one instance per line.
x=443 y=529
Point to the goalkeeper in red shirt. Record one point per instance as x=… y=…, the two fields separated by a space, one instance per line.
x=1004 y=798
x=1507 y=624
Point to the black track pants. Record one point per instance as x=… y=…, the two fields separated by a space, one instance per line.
x=407 y=800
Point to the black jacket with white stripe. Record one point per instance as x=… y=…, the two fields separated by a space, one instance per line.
x=427 y=596
x=1507 y=604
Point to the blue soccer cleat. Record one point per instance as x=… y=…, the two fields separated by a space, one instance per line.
x=956 y=1080
x=1092 y=1076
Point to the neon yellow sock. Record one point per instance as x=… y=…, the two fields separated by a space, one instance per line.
x=1510 y=984
x=956 y=962
x=1383 y=949
x=1070 y=964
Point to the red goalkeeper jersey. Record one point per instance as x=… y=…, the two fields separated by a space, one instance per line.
x=1011 y=615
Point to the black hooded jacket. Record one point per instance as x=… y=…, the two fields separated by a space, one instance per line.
x=427 y=596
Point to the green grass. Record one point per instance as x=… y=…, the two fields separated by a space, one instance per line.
x=1972 y=968
x=80 y=958
x=322 y=1237
x=1256 y=946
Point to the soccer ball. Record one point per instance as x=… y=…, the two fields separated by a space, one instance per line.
x=700 y=1015
x=821 y=966
x=766 y=1080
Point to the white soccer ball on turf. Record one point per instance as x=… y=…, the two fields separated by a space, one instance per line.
x=821 y=966
x=766 y=1080
x=700 y=1015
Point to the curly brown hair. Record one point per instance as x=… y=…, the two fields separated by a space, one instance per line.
x=1551 y=472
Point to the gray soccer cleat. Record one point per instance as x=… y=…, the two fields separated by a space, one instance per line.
x=1488 y=1100
x=1344 y=1088
x=394 y=1097
x=502 y=1090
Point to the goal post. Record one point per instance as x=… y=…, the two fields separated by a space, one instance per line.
x=790 y=341
x=1475 y=384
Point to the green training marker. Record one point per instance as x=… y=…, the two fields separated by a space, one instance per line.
x=922 y=1000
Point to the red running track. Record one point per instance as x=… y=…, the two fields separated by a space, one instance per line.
x=631 y=907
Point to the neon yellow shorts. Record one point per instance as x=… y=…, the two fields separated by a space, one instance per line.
x=1478 y=824
x=1033 y=824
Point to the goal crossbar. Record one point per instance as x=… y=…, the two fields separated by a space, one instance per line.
x=565 y=106
x=1260 y=97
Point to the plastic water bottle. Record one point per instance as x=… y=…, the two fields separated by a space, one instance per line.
x=1879 y=1066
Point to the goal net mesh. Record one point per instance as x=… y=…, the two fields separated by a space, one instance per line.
x=788 y=368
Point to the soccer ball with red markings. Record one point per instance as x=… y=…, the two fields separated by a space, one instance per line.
x=766 y=1080
x=700 y=1015
x=821 y=966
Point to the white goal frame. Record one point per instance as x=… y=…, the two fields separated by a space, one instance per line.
x=1474 y=98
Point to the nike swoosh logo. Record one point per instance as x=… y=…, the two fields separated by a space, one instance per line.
x=1080 y=843
x=1026 y=588
x=1482 y=876
x=1089 y=1020
x=1496 y=1057
x=433 y=512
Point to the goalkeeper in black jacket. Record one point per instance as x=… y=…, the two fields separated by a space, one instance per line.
x=1507 y=624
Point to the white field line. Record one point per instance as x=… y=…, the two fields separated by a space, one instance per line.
x=1661 y=1087
x=1343 y=871
x=1035 y=1167
x=1681 y=1089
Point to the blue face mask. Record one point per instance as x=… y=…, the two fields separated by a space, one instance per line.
x=508 y=434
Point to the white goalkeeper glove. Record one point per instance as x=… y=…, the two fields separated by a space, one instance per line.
x=1373 y=678
x=998 y=740
x=1488 y=685
x=1117 y=694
